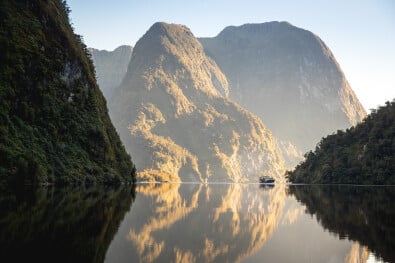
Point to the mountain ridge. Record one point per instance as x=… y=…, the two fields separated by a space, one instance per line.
x=275 y=65
x=179 y=118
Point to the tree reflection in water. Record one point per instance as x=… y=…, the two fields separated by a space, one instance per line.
x=61 y=225
x=361 y=213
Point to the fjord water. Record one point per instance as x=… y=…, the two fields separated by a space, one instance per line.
x=199 y=223
x=250 y=223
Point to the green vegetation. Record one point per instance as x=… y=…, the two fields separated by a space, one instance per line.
x=364 y=154
x=363 y=214
x=54 y=124
x=61 y=224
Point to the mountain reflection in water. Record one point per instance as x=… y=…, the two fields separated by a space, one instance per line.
x=198 y=223
x=224 y=223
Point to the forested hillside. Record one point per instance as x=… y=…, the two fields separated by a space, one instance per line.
x=54 y=124
x=363 y=154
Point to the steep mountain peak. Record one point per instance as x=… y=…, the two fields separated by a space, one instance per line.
x=285 y=34
x=257 y=28
x=172 y=46
x=161 y=28
x=172 y=108
x=288 y=77
x=166 y=35
x=124 y=48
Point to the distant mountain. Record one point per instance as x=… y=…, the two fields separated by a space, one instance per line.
x=172 y=110
x=288 y=77
x=364 y=154
x=54 y=125
x=111 y=67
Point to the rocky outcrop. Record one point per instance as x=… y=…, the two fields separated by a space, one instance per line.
x=172 y=110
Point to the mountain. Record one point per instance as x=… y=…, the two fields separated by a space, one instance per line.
x=172 y=109
x=364 y=154
x=288 y=77
x=54 y=124
x=111 y=67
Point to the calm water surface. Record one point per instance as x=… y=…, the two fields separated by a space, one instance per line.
x=199 y=223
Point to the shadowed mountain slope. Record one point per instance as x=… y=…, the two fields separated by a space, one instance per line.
x=111 y=67
x=288 y=77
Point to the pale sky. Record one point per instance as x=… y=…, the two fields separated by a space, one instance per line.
x=360 y=33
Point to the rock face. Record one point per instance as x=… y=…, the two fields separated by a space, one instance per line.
x=172 y=110
x=111 y=67
x=288 y=77
x=54 y=125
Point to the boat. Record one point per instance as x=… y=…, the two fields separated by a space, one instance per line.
x=266 y=180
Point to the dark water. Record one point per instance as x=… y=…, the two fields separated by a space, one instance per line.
x=60 y=225
x=199 y=223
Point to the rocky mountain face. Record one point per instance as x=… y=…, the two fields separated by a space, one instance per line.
x=289 y=78
x=172 y=110
x=54 y=125
x=111 y=67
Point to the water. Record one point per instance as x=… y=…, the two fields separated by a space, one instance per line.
x=199 y=223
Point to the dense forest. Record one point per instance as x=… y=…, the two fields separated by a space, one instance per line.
x=54 y=124
x=363 y=154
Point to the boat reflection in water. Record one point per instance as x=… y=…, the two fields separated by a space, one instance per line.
x=198 y=223
x=225 y=223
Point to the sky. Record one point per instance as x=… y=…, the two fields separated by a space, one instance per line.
x=360 y=33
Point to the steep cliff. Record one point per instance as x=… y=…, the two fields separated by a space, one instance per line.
x=172 y=109
x=288 y=77
x=54 y=125
x=111 y=67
